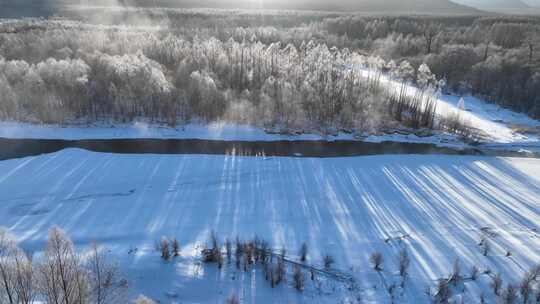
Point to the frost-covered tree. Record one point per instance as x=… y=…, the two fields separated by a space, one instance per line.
x=141 y=299
x=425 y=79
x=61 y=275
x=16 y=272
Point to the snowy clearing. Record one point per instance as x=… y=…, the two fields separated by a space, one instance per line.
x=437 y=207
x=502 y=126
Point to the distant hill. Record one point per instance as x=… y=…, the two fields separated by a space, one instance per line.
x=494 y=4
x=382 y=6
x=532 y=3
x=18 y=8
x=529 y=7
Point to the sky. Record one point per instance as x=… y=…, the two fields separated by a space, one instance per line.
x=45 y=7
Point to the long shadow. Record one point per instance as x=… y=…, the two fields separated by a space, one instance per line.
x=347 y=207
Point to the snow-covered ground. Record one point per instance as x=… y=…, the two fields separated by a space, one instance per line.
x=502 y=126
x=347 y=207
x=211 y=131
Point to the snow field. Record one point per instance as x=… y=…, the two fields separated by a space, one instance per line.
x=439 y=206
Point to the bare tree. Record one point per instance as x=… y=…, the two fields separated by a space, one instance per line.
x=24 y=277
x=61 y=277
x=16 y=272
x=429 y=32
x=7 y=248
x=107 y=286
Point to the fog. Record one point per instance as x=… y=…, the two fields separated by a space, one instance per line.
x=31 y=8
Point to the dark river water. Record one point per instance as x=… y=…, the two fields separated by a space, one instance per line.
x=16 y=148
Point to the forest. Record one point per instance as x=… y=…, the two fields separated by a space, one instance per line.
x=289 y=71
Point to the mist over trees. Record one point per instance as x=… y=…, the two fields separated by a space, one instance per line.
x=283 y=70
x=73 y=72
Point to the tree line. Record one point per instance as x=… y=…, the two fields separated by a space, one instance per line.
x=59 y=71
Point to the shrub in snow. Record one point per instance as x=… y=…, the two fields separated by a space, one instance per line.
x=263 y=252
x=455 y=277
x=510 y=294
x=298 y=278
x=376 y=259
x=303 y=252
x=461 y=104
x=391 y=292
x=280 y=271
x=485 y=246
x=233 y=299
x=443 y=292
x=404 y=262
x=164 y=248
x=213 y=254
x=228 y=250
x=328 y=260
x=143 y=300
x=239 y=252
x=249 y=254
x=474 y=273
x=496 y=284
x=175 y=247
x=482 y=299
